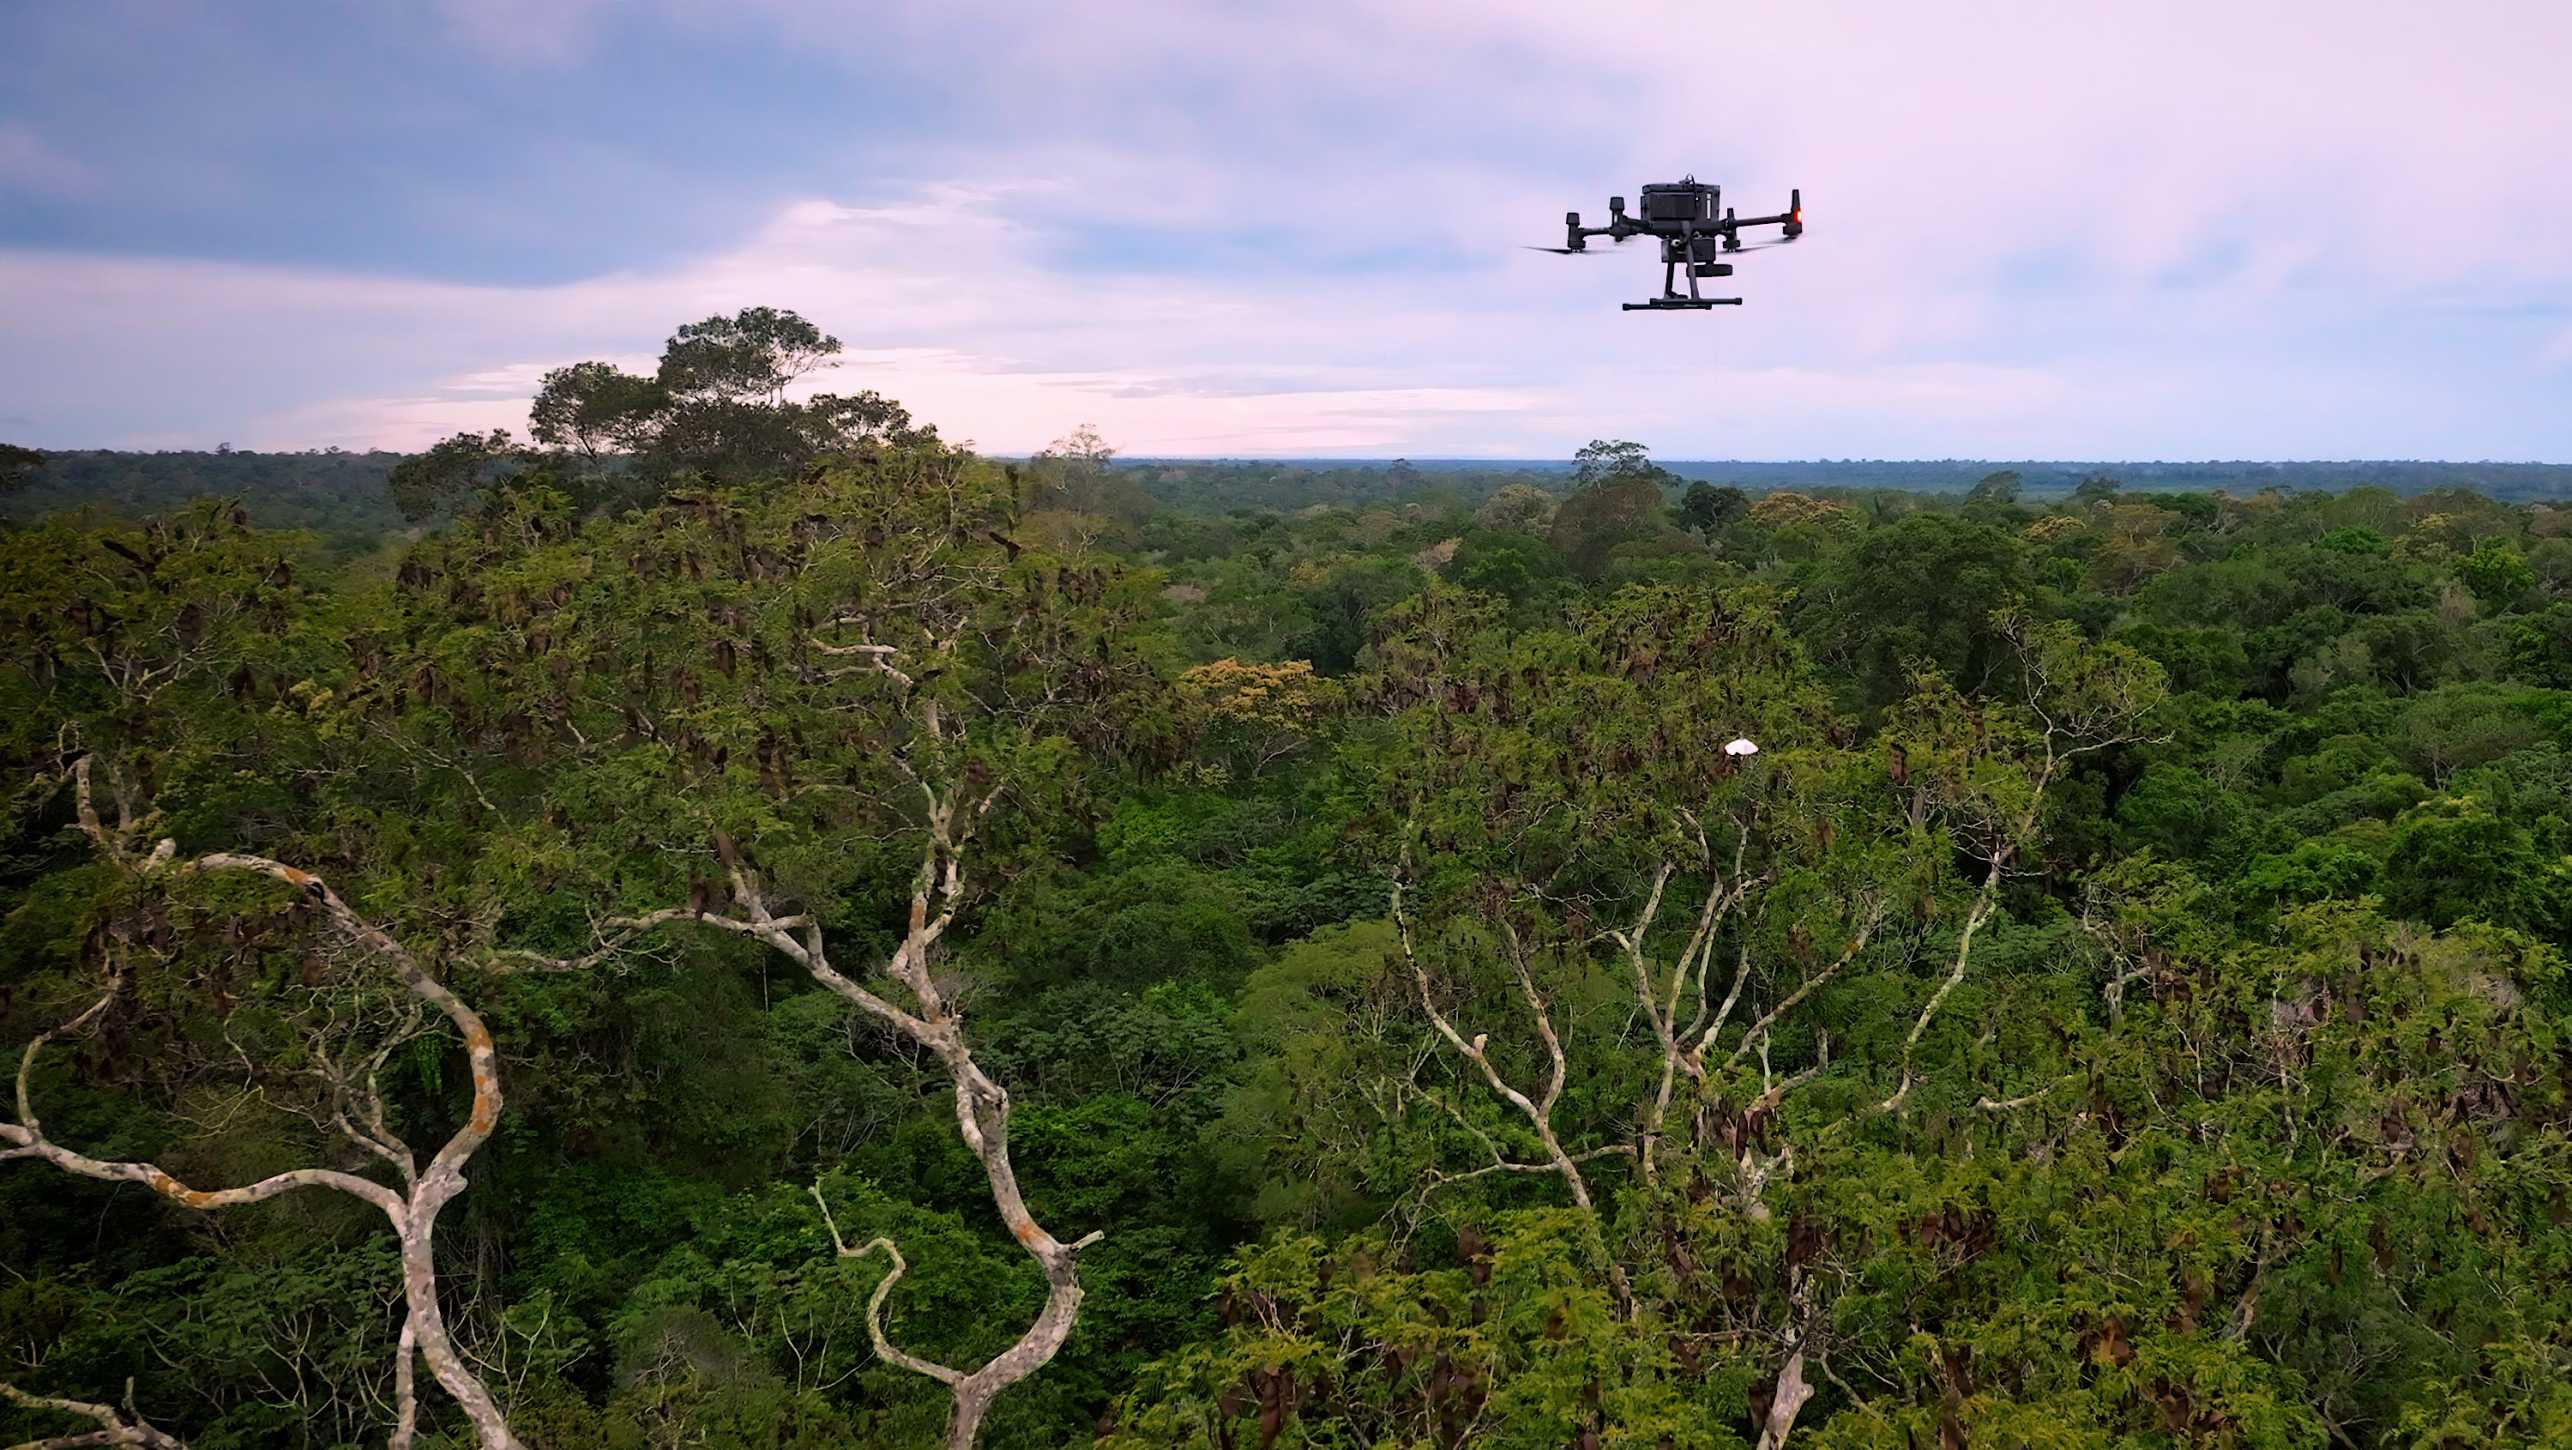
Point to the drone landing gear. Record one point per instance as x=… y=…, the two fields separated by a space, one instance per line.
x=1674 y=257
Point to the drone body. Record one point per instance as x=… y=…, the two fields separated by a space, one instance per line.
x=1696 y=230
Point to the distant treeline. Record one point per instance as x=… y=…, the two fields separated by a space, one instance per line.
x=343 y=497
x=2406 y=477
x=336 y=494
x=1220 y=485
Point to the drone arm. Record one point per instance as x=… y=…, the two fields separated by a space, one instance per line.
x=1792 y=219
x=1618 y=230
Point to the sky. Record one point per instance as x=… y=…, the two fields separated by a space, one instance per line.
x=2195 y=229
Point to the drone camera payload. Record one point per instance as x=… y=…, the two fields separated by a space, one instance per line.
x=1696 y=230
x=1680 y=202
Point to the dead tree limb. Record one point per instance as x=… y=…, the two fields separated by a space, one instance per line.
x=114 y=1428
x=1539 y=1110
x=425 y=1190
x=918 y=1009
x=2083 y=698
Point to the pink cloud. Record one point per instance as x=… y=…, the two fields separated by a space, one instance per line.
x=1162 y=365
x=2037 y=228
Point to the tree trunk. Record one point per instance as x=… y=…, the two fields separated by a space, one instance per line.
x=415 y=1231
x=1784 y=1405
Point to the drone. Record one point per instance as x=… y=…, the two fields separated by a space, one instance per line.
x=1696 y=230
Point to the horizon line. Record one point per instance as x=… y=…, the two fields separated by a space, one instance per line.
x=1387 y=459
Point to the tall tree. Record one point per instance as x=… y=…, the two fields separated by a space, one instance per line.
x=2095 y=488
x=827 y=709
x=1078 y=474
x=1619 y=498
x=351 y=1101
x=717 y=407
x=1564 y=790
x=1607 y=460
x=1707 y=510
x=595 y=409
x=454 y=471
x=2001 y=486
x=149 y=698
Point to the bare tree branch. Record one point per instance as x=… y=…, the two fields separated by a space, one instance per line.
x=884 y=1346
x=413 y=1213
x=982 y=1107
x=128 y=1428
x=1539 y=1115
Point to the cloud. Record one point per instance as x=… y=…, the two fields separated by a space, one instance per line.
x=28 y=163
x=525 y=32
x=2413 y=140
x=952 y=312
x=2189 y=229
x=950 y=306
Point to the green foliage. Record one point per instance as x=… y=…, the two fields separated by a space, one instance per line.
x=1708 y=510
x=1528 y=571
x=454 y=471
x=1343 y=1345
x=594 y=408
x=2207 y=660
x=1077 y=476
x=1920 y=590
x=1517 y=508
x=17 y=466
x=1299 y=1134
x=716 y=409
x=1340 y=605
x=2451 y=862
x=2496 y=573
x=2354 y=541
x=1604 y=460
x=336 y=495
x=1596 y=520
x=2224 y=1109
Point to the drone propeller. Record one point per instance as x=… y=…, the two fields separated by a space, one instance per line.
x=1578 y=251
